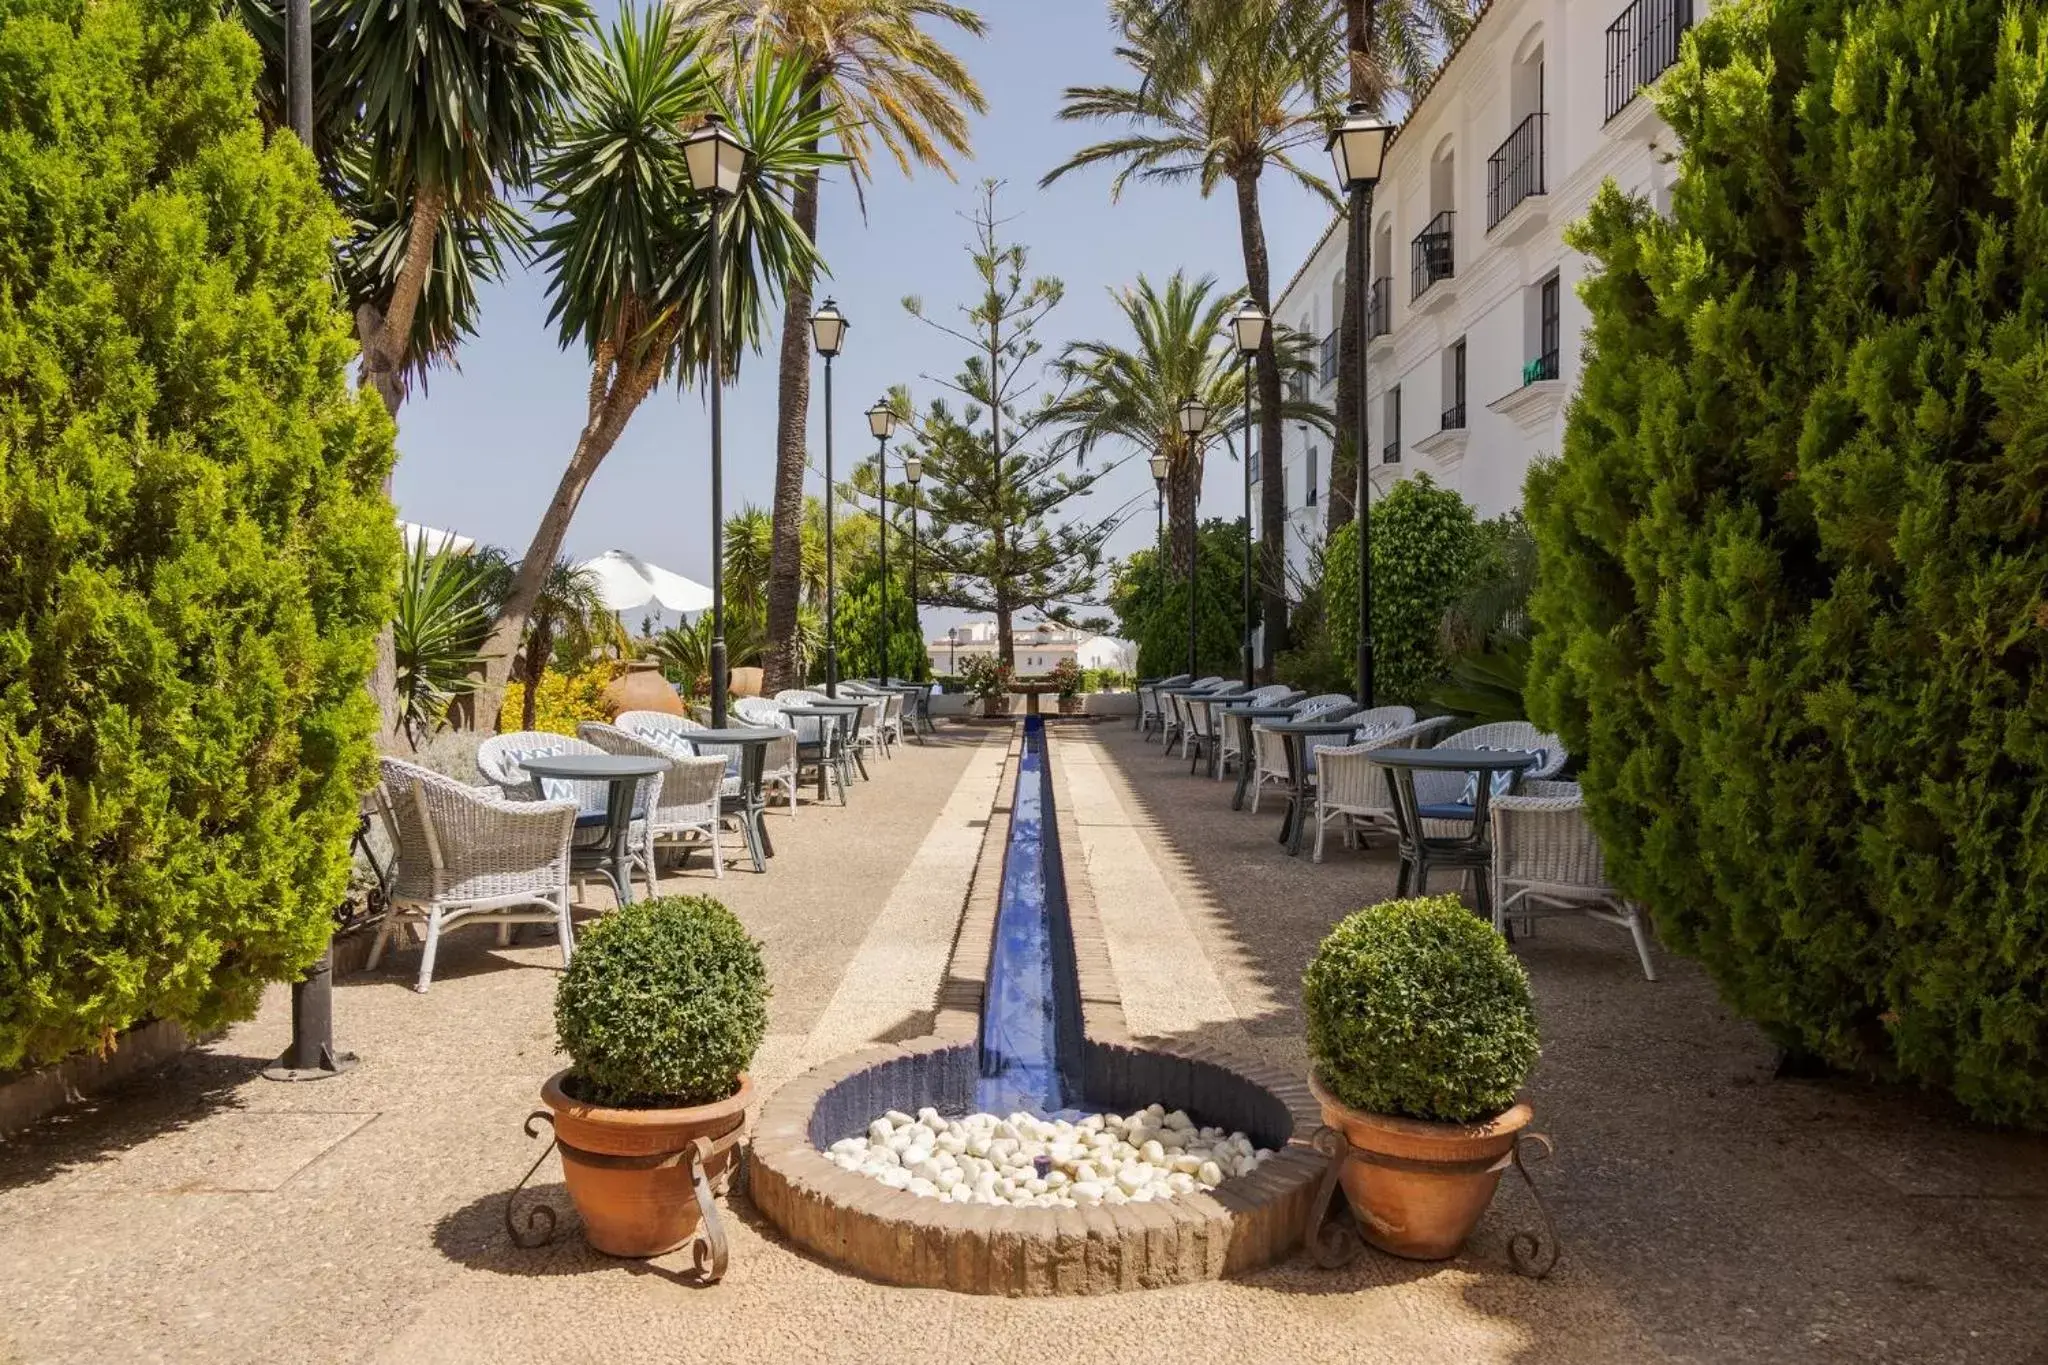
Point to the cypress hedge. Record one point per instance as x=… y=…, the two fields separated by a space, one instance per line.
x=194 y=545
x=1792 y=571
x=1426 y=547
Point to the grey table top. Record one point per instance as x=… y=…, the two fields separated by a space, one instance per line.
x=594 y=767
x=736 y=735
x=1460 y=760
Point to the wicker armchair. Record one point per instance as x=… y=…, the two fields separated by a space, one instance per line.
x=1273 y=694
x=468 y=855
x=1440 y=797
x=817 y=742
x=778 y=762
x=498 y=759
x=1352 y=788
x=1170 y=712
x=1184 y=715
x=1150 y=715
x=689 y=801
x=1548 y=861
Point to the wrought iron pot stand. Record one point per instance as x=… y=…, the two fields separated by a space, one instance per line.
x=709 y=1250
x=1334 y=1233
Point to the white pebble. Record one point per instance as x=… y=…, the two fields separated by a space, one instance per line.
x=1210 y=1174
x=898 y=1119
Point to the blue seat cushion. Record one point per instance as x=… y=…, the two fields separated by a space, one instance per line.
x=1447 y=810
x=593 y=819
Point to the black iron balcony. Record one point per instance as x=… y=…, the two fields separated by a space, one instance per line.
x=1390 y=453
x=1454 y=417
x=1430 y=254
x=1379 y=310
x=1641 y=45
x=1515 y=170
x=1330 y=356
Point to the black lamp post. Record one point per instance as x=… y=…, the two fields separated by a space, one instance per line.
x=828 y=332
x=882 y=422
x=1248 y=330
x=913 y=474
x=1158 y=463
x=715 y=159
x=1194 y=420
x=1358 y=147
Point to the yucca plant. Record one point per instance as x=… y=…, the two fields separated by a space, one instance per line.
x=626 y=244
x=434 y=634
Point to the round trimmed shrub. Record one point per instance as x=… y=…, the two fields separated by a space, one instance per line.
x=1417 y=1008
x=663 y=1005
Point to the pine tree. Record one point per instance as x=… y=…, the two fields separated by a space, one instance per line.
x=991 y=494
x=1792 y=573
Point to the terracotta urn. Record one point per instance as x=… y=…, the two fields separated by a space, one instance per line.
x=634 y=1201
x=641 y=688
x=744 y=682
x=1422 y=1187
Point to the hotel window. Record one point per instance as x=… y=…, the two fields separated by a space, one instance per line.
x=1391 y=452
x=1454 y=387
x=1311 y=476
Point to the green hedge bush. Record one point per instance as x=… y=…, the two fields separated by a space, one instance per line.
x=195 y=550
x=1154 y=614
x=1426 y=545
x=663 y=1004
x=1792 y=566
x=1417 y=1008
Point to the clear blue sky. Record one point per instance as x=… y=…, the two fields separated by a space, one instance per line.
x=482 y=449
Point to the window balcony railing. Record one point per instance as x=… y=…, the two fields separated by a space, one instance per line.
x=1430 y=254
x=1379 y=309
x=1454 y=417
x=1390 y=453
x=1515 y=170
x=1641 y=45
x=1542 y=367
x=1330 y=356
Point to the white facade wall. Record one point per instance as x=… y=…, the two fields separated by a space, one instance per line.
x=1523 y=57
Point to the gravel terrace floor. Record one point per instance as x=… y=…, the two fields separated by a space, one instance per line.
x=1708 y=1212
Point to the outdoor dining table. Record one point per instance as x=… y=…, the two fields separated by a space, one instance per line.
x=844 y=715
x=753 y=746
x=1220 y=709
x=1244 y=717
x=1474 y=851
x=1296 y=734
x=852 y=703
x=611 y=856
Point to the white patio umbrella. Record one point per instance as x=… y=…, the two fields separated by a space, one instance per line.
x=626 y=582
x=437 y=541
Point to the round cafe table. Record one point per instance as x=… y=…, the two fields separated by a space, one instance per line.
x=753 y=745
x=841 y=716
x=609 y=853
x=1296 y=734
x=1471 y=851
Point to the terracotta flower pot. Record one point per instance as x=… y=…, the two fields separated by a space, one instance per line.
x=632 y=1203
x=641 y=688
x=995 y=706
x=1432 y=1181
x=1073 y=706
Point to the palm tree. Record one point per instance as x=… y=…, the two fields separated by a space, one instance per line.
x=889 y=80
x=1250 y=89
x=626 y=245
x=1132 y=391
x=569 y=611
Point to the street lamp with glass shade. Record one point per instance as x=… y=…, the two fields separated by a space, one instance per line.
x=828 y=334
x=1248 y=327
x=716 y=160
x=882 y=422
x=1194 y=420
x=1158 y=463
x=913 y=474
x=1358 y=151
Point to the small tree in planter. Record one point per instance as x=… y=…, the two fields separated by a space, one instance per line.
x=660 y=1011
x=1421 y=1031
x=988 y=678
x=1067 y=674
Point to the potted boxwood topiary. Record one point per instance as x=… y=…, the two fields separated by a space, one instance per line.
x=660 y=1011
x=1421 y=1031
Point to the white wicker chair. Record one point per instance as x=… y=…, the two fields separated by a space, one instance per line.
x=497 y=758
x=689 y=802
x=1351 y=787
x=1151 y=719
x=1438 y=795
x=1171 y=715
x=1273 y=694
x=778 y=763
x=1183 y=715
x=1269 y=762
x=468 y=855
x=817 y=742
x=1548 y=861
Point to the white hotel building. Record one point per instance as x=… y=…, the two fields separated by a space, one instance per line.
x=1475 y=323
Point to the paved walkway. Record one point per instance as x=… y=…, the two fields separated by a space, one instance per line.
x=1709 y=1213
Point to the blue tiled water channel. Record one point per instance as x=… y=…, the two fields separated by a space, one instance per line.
x=1031 y=1018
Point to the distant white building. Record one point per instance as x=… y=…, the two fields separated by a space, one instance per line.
x=1474 y=323
x=1039 y=648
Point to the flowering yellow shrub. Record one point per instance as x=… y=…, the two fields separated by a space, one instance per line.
x=562 y=701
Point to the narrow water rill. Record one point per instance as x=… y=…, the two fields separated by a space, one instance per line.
x=1030 y=1146
x=1031 y=1016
